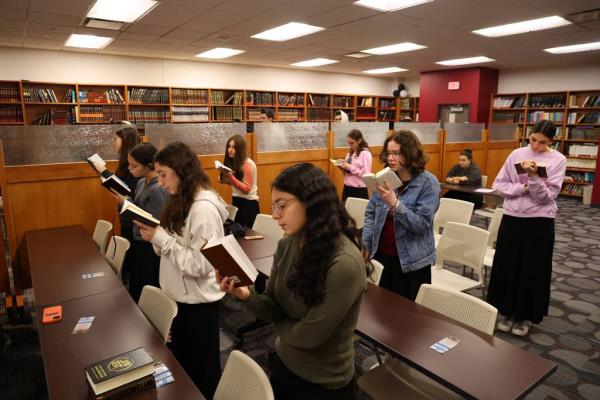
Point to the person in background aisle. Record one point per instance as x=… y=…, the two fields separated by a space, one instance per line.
x=356 y=164
x=266 y=115
x=522 y=268
x=340 y=116
x=314 y=290
x=193 y=215
x=244 y=189
x=466 y=172
x=398 y=230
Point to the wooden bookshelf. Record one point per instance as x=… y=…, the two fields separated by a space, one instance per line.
x=408 y=109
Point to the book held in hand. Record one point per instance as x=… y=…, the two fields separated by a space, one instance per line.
x=386 y=175
x=221 y=167
x=138 y=214
x=226 y=255
x=95 y=159
x=115 y=183
x=337 y=163
x=122 y=374
x=541 y=170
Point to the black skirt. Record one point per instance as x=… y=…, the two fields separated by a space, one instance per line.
x=247 y=211
x=522 y=268
x=358 y=192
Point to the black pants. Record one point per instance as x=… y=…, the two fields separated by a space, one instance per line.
x=289 y=386
x=145 y=269
x=129 y=261
x=405 y=284
x=247 y=211
x=476 y=199
x=195 y=335
x=358 y=192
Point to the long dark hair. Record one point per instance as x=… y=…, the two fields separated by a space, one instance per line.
x=546 y=128
x=181 y=159
x=237 y=162
x=129 y=138
x=358 y=136
x=326 y=221
x=467 y=153
x=410 y=148
x=144 y=153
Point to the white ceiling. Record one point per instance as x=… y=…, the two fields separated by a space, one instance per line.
x=179 y=29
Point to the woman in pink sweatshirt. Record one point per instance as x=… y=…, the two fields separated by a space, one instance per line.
x=356 y=164
x=522 y=268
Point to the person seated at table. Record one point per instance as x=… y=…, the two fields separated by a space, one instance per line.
x=356 y=164
x=314 y=290
x=398 y=229
x=466 y=172
x=193 y=215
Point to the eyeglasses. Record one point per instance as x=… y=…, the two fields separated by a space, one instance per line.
x=394 y=154
x=280 y=205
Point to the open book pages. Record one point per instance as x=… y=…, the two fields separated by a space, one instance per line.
x=226 y=255
x=337 y=163
x=384 y=176
x=541 y=169
x=115 y=183
x=138 y=214
x=94 y=160
x=220 y=166
x=484 y=190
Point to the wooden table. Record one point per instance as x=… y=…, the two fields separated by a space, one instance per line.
x=494 y=198
x=479 y=367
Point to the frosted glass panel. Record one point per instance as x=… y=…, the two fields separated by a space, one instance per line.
x=427 y=132
x=202 y=138
x=373 y=132
x=284 y=136
x=54 y=144
x=457 y=133
x=500 y=132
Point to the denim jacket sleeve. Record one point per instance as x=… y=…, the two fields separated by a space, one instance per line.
x=420 y=217
x=369 y=225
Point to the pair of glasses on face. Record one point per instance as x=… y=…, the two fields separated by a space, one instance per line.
x=279 y=206
x=393 y=154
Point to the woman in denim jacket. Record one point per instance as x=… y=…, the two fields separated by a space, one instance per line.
x=398 y=230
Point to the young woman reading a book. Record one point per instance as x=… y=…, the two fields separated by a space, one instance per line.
x=193 y=215
x=244 y=190
x=398 y=230
x=522 y=267
x=356 y=164
x=314 y=291
x=466 y=172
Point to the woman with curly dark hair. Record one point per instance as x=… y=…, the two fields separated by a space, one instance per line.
x=314 y=290
x=193 y=215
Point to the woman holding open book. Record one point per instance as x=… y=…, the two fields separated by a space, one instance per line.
x=522 y=267
x=398 y=230
x=242 y=178
x=193 y=215
x=314 y=290
x=355 y=165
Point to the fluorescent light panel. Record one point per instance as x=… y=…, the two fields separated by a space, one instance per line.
x=390 y=5
x=219 y=53
x=315 y=62
x=394 y=48
x=575 y=48
x=87 y=41
x=288 y=31
x=121 y=10
x=464 y=61
x=531 y=25
x=387 y=70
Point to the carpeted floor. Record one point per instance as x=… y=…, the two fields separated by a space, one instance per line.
x=570 y=335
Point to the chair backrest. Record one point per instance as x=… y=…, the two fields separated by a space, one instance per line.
x=495 y=225
x=231 y=211
x=452 y=210
x=159 y=308
x=376 y=273
x=459 y=306
x=266 y=225
x=115 y=253
x=100 y=235
x=463 y=244
x=243 y=378
x=484 y=179
x=356 y=208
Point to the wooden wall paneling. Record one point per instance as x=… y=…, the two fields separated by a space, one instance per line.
x=208 y=165
x=496 y=156
x=4 y=279
x=434 y=153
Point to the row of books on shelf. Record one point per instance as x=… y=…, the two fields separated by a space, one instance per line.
x=555 y=116
x=579 y=177
x=366 y=102
x=141 y=117
x=260 y=98
x=545 y=101
x=227 y=113
x=318 y=101
x=318 y=114
x=9 y=95
x=190 y=114
x=110 y=96
x=152 y=96
x=583 y=150
x=100 y=114
x=509 y=102
x=581 y=163
x=588 y=101
x=584 y=118
x=190 y=96
x=290 y=115
x=218 y=97
x=591 y=133
x=387 y=103
x=57 y=117
x=35 y=95
x=386 y=115
x=290 y=99
x=572 y=189
x=10 y=114
x=343 y=101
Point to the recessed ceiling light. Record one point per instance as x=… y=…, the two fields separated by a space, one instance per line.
x=315 y=62
x=468 y=60
x=88 y=41
x=220 y=52
x=390 y=5
x=531 y=25
x=575 y=48
x=394 y=48
x=358 y=55
x=288 y=31
x=387 y=70
x=121 y=10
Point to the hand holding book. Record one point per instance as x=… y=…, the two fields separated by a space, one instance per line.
x=531 y=168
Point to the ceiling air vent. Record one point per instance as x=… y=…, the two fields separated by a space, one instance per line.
x=103 y=24
x=584 y=17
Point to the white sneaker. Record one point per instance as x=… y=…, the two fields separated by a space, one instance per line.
x=521 y=328
x=505 y=324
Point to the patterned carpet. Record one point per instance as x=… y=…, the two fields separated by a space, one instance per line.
x=570 y=335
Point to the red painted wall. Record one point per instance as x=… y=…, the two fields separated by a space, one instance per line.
x=476 y=86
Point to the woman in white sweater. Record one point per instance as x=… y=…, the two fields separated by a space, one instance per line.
x=193 y=215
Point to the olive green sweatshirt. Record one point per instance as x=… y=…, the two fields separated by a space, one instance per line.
x=316 y=343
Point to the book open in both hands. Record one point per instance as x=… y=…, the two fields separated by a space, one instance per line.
x=337 y=163
x=223 y=168
x=94 y=160
x=541 y=170
x=226 y=255
x=112 y=182
x=386 y=175
x=138 y=214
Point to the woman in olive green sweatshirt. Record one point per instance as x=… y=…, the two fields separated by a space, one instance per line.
x=314 y=290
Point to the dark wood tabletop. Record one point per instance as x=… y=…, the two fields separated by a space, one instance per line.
x=479 y=367
x=469 y=189
x=258 y=248
x=119 y=326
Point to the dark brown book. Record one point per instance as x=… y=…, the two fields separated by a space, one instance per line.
x=136 y=213
x=227 y=256
x=541 y=170
x=125 y=391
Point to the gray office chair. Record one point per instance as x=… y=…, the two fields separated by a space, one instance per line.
x=101 y=234
x=243 y=378
x=159 y=308
x=115 y=253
